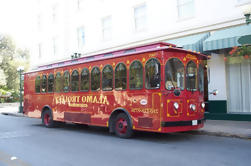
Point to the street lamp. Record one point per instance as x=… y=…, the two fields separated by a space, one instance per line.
x=20 y=70
x=246 y=9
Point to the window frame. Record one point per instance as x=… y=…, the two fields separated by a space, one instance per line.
x=159 y=74
x=103 y=75
x=72 y=79
x=99 y=79
x=115 y=77
x=184 y=78
x=142 y=75
x=46 y=86
x=203 y=81
x=89 y=75
x=60 y=81
x=39 y=84
x=51 y=74
x=180 y=5
x=196 y=81
x=142 y=16
x=69 y=85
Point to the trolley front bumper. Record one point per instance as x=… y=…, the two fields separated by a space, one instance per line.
x=182 y=123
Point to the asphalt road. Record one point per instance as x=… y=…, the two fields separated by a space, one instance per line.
x=25 y=142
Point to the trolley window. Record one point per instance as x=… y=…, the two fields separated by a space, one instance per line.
x=201 y=78
x=152 y=72
x=191 y=76
x=50 y=83
x=107 y=78
x=136 y=75
x=58 y=83
x=44 y=84
x=174 y=74
x=84 y=80
x=66 y=81
x=37 y=84
x=75 y=81
x=95 y=79
x=120 y=77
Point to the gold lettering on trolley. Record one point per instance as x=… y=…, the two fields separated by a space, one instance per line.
x=81 y=101
x=152 y=55
x=145 y=110
x=191 y=56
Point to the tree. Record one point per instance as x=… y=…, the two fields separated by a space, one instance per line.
x=10 y=59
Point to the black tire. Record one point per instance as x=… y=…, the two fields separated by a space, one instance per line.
x=122 y=126
x=47 y=119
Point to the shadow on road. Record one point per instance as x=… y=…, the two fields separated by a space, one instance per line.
x=103 y=131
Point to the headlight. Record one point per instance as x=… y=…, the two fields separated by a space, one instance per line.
x=192 y=107
x=176 y=105
x=203 y=105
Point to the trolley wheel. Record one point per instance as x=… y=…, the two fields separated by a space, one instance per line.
x=122 y=126
x=47 y=119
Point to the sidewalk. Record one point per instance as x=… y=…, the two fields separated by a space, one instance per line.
x=225 y=128
x=10 y=109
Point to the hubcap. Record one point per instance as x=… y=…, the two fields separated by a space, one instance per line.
x=46 y=119
x=121 y=126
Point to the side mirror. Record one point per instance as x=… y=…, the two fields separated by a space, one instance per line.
x=214 y=92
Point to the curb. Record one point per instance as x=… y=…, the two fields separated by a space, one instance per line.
x=13 y=114
x=220 y=134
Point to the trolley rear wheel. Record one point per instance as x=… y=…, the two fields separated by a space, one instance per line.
x=122 y=126
x=47 y=119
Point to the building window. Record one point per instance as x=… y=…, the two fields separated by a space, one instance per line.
x=81 y=37
x=136 y=75
x=185 y=8
x=55 y=46
x=152 y=70
x=95 y=79
x=107 y=78
x=107 y=28
x=39 y=50
x=37 y=84
x=74 y=81
x=140 y=18
x=84 y=80
x=80 y=4
x=54 y=14
x=50 y=83
x=120 y=77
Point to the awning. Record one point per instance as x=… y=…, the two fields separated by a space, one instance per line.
x=192 y=42
x=226 y=38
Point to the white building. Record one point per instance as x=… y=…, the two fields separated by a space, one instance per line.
x=94 y=26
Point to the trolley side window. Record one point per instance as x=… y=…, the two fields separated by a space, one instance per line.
x=44 y=84
x=152 y=72
x=95 y=79
x=201 y=78
x=191 y=76
x=37 y=84
x=75 y=81
x=66 y=81
x=174 y=74
x=136 y=75
x=50 y=83
x=84 y=86
x=58 y=82
x=107 y=78
x=120 y=77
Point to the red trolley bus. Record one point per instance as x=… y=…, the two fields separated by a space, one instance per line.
x=156 y=87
